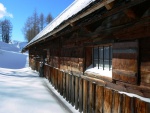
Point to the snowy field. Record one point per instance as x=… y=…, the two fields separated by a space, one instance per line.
x=22 y=90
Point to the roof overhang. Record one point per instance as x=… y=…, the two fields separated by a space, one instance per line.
x=76 y=11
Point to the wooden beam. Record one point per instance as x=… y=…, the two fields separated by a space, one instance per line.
x=108 y=5
x=130 y=13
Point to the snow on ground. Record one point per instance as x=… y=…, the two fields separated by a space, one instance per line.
x=12 y=60
x=22 y=90
x=8 y=47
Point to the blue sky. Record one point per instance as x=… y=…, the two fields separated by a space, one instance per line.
x=17 y=11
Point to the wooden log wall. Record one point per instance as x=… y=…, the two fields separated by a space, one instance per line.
x=70 y=64
x=145 y=61
x=88 y=97
x=34 y=63
x=125 y=61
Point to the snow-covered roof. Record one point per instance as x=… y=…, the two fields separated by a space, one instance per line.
x=73 y=9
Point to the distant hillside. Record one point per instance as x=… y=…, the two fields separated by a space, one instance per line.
x=15 y=46
x=10 y=55
x=19 y=44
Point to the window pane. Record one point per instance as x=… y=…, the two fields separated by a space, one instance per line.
x=106 y=57
x=96 y=57
x=110 y=57
x=106 y=52
x=101 y=57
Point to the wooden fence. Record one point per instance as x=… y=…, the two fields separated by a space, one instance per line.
x=89 y=97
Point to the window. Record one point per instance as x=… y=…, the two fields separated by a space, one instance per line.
x=102 y=57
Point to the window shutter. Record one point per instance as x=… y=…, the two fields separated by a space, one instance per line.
x=125 y=62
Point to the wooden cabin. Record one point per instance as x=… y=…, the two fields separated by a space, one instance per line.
x=97 y=55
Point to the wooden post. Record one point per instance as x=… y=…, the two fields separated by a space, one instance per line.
x=117 y=102
x=108 y=97
x=126 y=104
x=58 y=80
x=73 y=90
x=80 y=94
x=64 y=84
x=91 y=106
x=69 y=86
x=50 y=74
x=76 y=92
x=61 y=83
x=141 y=106
x=99 y=99
x=53 y=76
x=85 y=96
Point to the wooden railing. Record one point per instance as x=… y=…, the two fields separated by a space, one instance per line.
x=89 y=97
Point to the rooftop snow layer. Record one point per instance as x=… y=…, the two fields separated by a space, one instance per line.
x=73 y=9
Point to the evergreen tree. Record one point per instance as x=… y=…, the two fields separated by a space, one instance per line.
x=49 y=18
x=5 y=30
x=42 y=22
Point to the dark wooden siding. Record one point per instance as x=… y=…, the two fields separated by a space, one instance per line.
x=125 y=62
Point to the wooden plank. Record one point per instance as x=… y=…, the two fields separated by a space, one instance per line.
x=117 y=102
x=91 y=106
x=94 y=77
x=131 y=79
x=138 y=30
x=95 y=80
x=80 y=94
x=73 y=90
x=108 y=97
x=61 y=83
x=70 y=87
x=64 y=85
x=53 y=76
x=76 y=92
x=58 y=80
x=67 y=87
x=99 y=99
x=141 y=106
x=49 y=73
x=108 y=6
x=126 y=104
x=145 y=66
x=145 y=77
x=125 y=62
x=85 y=96
x=145 y=61
x=125 y=45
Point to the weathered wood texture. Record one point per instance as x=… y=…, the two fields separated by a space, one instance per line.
x=80 y=94
x=125 y=62
x=89 y=96
x=145 y=61
x=99 y=104
x=108 y=96
x=73 y=91
x=88 y=56
x=70 y=64
x=76 y=92
x=85 y=96
x=68 y=55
